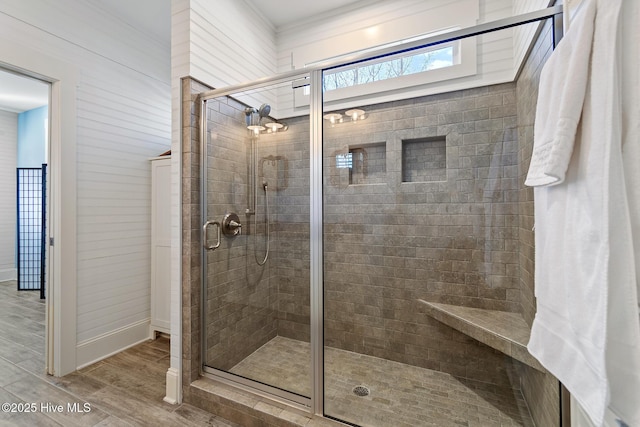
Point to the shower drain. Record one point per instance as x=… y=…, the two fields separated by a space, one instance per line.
x=361 y=390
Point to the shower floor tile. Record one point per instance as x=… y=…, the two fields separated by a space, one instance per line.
x=400 y=395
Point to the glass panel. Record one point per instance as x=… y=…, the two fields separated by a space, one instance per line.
x=422 y=228
x=257 y=281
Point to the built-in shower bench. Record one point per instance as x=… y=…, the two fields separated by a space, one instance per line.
x=504 y=331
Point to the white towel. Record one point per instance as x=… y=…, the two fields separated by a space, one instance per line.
x=563 y=94
x=586 y=330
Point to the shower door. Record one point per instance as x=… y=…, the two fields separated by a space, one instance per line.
x=255 y=228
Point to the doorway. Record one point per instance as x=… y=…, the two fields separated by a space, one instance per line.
x=24 y=157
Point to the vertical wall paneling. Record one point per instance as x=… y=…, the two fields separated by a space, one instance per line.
x=160 y=244
x=8 y=162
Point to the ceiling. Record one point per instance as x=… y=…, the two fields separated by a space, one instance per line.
x=283 y=12
x=18 y=94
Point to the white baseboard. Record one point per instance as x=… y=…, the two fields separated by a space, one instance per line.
x=96 y=349
x=173 y=387
x=8 y=274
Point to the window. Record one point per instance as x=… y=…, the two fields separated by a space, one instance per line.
x=398 y=66
x=414 y=69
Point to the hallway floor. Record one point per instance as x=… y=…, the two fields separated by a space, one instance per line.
x=123 y=390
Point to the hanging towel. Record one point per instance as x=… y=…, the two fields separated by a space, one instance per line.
x=586 y=330
x=625 y=377
x=563 y=83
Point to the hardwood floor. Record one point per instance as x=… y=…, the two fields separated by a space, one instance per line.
x=123 y=390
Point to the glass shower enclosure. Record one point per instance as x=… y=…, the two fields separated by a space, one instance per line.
x=256 y=251
x=341 y=236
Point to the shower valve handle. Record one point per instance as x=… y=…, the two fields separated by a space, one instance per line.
x=231 y=225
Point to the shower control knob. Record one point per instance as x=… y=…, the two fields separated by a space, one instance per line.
x=231 y=225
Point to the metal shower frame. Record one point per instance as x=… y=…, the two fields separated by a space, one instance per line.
x=313 y=76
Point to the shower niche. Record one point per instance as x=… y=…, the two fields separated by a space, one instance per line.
x=424 y=159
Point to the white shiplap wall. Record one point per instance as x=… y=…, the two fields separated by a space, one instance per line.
x=230 y=43
x=371 y=24
x=8 y=162
x=123 y=118
x=523 y=35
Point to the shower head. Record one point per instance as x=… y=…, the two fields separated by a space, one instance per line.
x=254 y=116
x=264 y=110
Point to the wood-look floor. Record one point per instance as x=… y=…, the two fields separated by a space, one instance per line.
x=123 y=390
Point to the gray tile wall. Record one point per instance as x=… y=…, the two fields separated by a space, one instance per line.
x=540 y=390
x=450 y=236
x=241 y=305
x=241 y=295
x=388 y=242
x=289 y=210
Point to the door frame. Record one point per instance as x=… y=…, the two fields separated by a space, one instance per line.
x=60 y=351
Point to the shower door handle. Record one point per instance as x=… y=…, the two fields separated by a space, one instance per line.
x=205 y=235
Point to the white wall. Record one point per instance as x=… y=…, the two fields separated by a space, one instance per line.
x=8 y=162
x=123 y=118
x=365 y=25
x=230 y=43
x=523 y=35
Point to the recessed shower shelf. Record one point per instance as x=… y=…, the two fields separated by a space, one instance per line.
x=504 y=331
